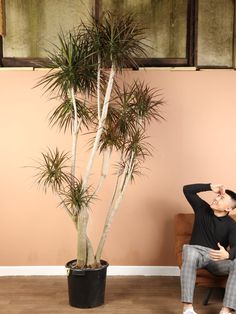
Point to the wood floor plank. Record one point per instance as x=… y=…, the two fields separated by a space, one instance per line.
x=124 y=295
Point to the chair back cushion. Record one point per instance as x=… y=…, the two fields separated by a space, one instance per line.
x=183 y=231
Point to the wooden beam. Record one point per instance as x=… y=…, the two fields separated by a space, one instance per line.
x=142 y=62
x=1 y=51
x=234 y=39
x=97 y=9
x=192 y=32
x=162 y=62
x=25 y=62
x=2 y=18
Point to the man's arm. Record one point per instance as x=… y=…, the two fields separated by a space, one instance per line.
x=232 y=252
x=222 y=253
x=190 y=192
x=232 y=242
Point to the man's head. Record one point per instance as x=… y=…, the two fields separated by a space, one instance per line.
x=224 y=202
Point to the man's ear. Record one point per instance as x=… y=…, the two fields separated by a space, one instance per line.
x=229 y=209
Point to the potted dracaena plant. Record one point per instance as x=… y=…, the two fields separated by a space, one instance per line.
x=83 y=70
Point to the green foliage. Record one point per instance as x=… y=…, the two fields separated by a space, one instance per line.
x=72 y=66
x=126 y=124
x=110 y=136
x=134 y=168
x=75 y=196
x=131 y=110
x=121 y=39
x=116 y=39
x=63 y=115
x=51 y=172
x=137 y=146
x=146 y=102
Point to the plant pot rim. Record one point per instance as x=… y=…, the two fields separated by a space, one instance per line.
x=104 y=264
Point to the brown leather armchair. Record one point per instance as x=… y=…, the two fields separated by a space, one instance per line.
x=183 y=230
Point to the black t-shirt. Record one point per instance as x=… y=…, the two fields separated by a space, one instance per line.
x=209 y=229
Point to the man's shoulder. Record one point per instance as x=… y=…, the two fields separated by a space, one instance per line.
x=232 y=221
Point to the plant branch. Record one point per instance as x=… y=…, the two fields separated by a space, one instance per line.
x=82 y=238
x=90 y=254
x=100 y=127
x=75 y=132
x=99 y=87
x=115 y=205
x=105 y=168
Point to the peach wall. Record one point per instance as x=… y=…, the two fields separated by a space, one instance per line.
x=196 y=143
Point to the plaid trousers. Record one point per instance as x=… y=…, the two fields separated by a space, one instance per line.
x=196 y=256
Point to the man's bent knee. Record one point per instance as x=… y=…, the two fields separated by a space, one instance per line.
x=190 y=254
x=233 y=265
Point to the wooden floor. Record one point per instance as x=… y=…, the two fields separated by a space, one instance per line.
x=124 y=295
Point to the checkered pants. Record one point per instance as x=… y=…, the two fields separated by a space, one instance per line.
x=196 y=256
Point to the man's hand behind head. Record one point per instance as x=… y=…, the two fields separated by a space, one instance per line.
x=218 y=188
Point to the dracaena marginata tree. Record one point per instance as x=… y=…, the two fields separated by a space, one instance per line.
x=83 y=70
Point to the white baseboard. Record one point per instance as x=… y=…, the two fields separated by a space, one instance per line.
x=32 y=270
x=112 y=271
x=143 y=271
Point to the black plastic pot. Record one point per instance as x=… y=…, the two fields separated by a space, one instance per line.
x=86 y=287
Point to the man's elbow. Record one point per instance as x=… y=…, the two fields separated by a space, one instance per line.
x=185 y=188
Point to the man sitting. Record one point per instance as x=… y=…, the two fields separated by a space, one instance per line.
x=212 y=245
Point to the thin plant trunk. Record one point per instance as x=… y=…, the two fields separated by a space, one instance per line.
x=113 y=208
x=90 y=254
x=100 y=127
x=99 y=87
x=82 y=238
x=117 y=182
x=105 y=168
x=75 y=132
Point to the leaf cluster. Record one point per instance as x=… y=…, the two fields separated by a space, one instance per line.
x=75 y=196
x=74 y=61
x=72 y=65
x=118 y=39
x=51 y=170
x=64 y=114
x=132 y=108
x=51 y=173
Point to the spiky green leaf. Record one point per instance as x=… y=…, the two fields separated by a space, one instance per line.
x=51 y=170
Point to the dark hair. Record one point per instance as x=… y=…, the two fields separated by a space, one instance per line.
x=232 y=195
